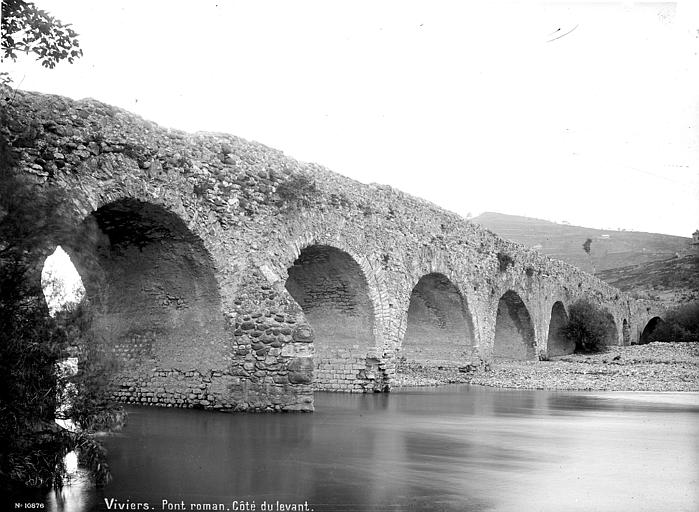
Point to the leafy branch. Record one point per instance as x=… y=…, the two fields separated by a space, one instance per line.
x=27 y=29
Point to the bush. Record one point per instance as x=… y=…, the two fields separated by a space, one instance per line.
x=89 y=390
x=299 y=190
x=589 y=326
x=504 y=261
x=32 y=446
x=680 y=325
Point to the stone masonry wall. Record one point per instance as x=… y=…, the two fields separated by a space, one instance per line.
x=216 y=325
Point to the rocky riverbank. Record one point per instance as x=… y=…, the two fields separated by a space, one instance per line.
x=653 y=367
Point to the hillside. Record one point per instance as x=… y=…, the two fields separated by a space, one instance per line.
x=609 y=249
x=674 y=281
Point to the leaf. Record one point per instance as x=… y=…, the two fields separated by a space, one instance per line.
x=41 y=33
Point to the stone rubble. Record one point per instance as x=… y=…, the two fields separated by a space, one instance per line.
x=657 y=366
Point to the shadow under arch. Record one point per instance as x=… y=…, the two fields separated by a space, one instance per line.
x=557 y=343
x=333 y=293
x=439 y=323
x=151 y=284
x=649 y=330
x=514 y=330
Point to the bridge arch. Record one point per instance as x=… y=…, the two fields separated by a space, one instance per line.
x=514 y=329
x=439 y=323
x=649 y=329
x=61 y=282
x=557 y=343
x=333 y=292
x=152 y=286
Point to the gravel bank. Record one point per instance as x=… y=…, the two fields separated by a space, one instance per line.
x=653 y=367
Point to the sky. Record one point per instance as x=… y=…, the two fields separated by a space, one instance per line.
x=579 y=112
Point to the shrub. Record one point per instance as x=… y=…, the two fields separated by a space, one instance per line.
x=297 y=191
x=589 y=326
x=504 y=261
x=200 y=189
x=89 y=390
x=32 y=446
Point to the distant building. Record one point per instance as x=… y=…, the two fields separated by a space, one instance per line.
x=695 y=240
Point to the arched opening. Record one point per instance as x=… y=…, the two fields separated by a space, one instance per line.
x=61 y=283
x=514 y=331
x=649 y=330
x=558 y=344
x=150 y=282
x=63 y=290
x=332 y=290
x=626 y=332
x=440 y=330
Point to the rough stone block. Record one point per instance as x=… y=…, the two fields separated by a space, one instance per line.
x=303 y=334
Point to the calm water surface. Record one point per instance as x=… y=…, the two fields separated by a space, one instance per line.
x=456 y=448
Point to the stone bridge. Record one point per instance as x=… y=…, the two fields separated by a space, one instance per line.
x=226 y=275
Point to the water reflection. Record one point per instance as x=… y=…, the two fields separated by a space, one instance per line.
x=456 y=448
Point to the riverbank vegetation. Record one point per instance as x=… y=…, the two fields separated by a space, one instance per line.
x=36 y=389
x=679 y=324
x=588 y=327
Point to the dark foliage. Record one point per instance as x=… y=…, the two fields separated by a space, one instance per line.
x=298 y=191
x=680 y=325
x=32 y=446
x=89 y=391
x=200 y=189
x=32 y=345
x=504 y=261
x=589 y=326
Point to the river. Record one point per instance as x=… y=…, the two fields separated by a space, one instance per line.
x=464 y=448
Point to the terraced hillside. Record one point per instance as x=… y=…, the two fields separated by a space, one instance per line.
x=608 y=249
x=674 y=281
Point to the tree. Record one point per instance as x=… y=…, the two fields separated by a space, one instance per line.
x=32 y=344
x=32 y=446
x=27 y=29
x=586 y=247
x=588 y=326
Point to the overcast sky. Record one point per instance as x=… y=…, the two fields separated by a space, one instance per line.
x=578 y=112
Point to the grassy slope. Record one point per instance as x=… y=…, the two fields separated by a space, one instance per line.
x=675 y=280
x=609 y=249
